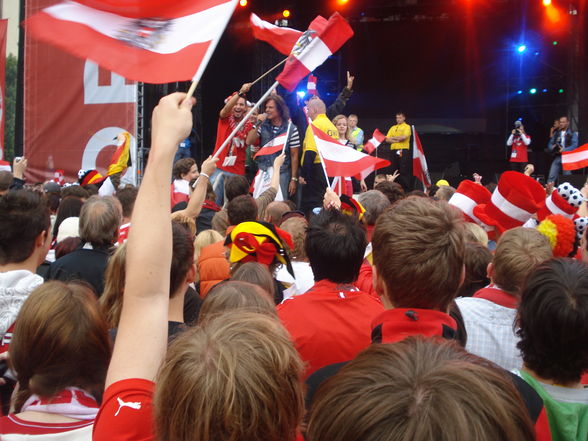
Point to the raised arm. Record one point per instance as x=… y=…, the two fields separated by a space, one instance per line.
x=226 y=110
x=199 y=194
x=142 y=334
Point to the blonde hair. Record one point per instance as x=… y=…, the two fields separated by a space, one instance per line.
x=235 y=378
x=419 y=389
x=296 y=226
x=184 y=220
x=348 y=135
x=203 y=239
x=114 y=284
x=518 y=252
x=475 y=233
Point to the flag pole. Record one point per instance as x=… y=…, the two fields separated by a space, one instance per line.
x=244 y=120
x=191 y=90
x=287 y=135
x=271 y=70
x=322 y=160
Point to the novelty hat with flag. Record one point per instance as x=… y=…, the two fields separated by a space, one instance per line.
x=516 y=199
x=467 y=196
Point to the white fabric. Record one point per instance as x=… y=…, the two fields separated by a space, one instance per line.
x=15 y=287
x=555 y=209
x=73 y=409
x=302 y=281
x=181 y=186
x=465 y=204
x=107 y=188
x=70 y=227
x=490 y=331
x=262 y=182
x=82 y=434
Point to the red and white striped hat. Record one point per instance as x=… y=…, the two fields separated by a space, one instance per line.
x=516 y=199
x=467 y=196
x=564 y=200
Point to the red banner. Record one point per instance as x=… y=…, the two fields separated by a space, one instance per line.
x=3 y=27
x=73 y=111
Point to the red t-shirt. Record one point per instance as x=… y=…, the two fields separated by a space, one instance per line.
x=236 y=148
x=519 y=151
x=126 y=413
x=5 y=342
x=330 y=323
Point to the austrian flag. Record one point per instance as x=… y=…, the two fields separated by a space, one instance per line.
x=322 y=39
x=419 y=162
x=173 y=43
x=344 y=161
x=376 y=139
x=281 y=38
x=273 y=146
x=576 y=159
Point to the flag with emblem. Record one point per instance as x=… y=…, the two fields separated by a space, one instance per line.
x=150 y=41
x=322 y=39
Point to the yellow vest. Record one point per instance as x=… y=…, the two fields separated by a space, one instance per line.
x=323 y=123
x=400 y=130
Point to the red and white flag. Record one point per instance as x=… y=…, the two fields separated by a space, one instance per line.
x=275 y=145
x=5 y=166
x=322 y=39
x=376 y=139
x=419 y=162
x=59 y=177
x=311 y=84
x=128 y=40
x=344 y=161
x=575 y=159
x=281 y=38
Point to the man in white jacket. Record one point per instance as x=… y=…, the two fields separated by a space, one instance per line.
x=24 y=242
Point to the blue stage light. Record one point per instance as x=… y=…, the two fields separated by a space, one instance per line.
x=301 y=94
x=533 y=91
x=519 y=92
x=522 y=48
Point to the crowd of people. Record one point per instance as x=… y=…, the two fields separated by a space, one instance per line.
x=195 y=307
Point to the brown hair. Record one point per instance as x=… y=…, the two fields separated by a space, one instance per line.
x=476 y=260
x=60 y=340
x=256 y=273
x=518 y=252
x=114 y=284
x=296 y=226
x=418 y=249
x=419 y=390
x=100 y=219
x=183 y=166
x=236 y=295
x=237 y=378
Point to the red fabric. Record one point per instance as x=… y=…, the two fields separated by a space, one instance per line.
x=498 y=296
x=394 y=325
x=178 y=196
x=519 y=151
x=123 y=233
x=11 y=424
x=236 y=147
x=305 y=57
x=88 y=38
x=365 y=280
x=213 y=267
x=584 y=379
x=576 y=159
x=419 y=162
x=5 y=343
x=133 y=421
x=272 y=146
x=542 y=429
x=281 y=38
x=330 y=323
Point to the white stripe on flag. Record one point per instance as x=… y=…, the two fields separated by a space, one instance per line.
x=314 y=54
x=570 y=158
x=199 y=27
x=509 y=209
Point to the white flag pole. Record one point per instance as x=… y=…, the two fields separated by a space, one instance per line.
x=245 y=119
x=322 y=160
x=287 y=135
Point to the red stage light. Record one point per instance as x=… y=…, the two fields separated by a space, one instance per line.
x=546 y=2
x=243 y=2
x=342 y=2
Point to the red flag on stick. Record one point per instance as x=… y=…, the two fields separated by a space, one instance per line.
x=126 y=39
x=376 y=139
x=322 y=39
x=419 y=162
x=344 y=161
x=273 y=146
x=281 y=38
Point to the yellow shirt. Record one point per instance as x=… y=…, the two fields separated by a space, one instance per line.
x=323 y=123
x=400 y=130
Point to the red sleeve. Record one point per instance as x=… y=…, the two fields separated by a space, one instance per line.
x=542 y=430
x=126 y=413
x=365 y=282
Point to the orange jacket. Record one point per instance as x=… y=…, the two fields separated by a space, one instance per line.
x=213 y=267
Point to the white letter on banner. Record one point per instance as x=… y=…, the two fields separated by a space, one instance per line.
x=116 y=92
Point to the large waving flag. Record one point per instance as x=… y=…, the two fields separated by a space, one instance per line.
x=419 y=162
x=281 y=38
x=322 y=39
x=376 y=139
x=344 y=161
x=576 y=159
x=150 y=41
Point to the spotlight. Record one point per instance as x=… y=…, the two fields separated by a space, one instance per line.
x=243 y=3
x=560 y=91
x=522 y=48
x=546 y=2
x=342 y=2
x=555 y=43
x=544 y=90
x=519 y=92
x=533 y=91
x=536 y=53
x=301 y=94
x=286 y=13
